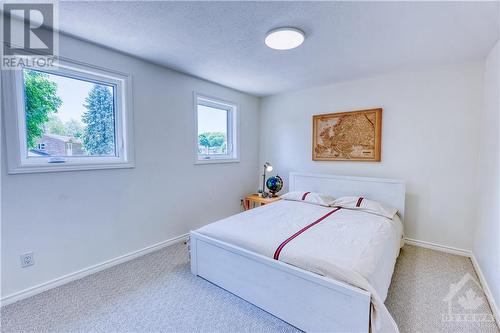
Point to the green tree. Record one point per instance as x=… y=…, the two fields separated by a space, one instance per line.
x=213 y=140
x=99 y=133
x=74 y=128
x=216 y=139
x=203 y=140
x=41 y=101
x=55 y=126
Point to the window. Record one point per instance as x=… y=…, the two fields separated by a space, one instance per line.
x=216 y=131
x=69 y=117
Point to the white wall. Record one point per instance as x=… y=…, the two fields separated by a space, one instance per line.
x=429 y=138
x=486 y=247
x=73 y=220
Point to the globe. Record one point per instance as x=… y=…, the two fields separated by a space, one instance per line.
x=274 y=184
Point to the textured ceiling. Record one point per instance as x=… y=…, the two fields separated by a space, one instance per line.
x=224 y=41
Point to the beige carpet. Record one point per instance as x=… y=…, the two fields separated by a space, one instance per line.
x=421 y=281
x=157 y=293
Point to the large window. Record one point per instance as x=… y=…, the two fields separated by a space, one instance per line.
x=216 y=131
x=68 y=118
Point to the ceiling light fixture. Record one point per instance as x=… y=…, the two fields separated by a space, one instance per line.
x=284 y=38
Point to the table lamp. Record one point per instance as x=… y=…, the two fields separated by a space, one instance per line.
x=267 y=167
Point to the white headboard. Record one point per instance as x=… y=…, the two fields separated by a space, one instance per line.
x=388 y=191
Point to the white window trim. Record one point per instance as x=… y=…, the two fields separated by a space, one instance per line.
x=15 y=121
x=233 y=129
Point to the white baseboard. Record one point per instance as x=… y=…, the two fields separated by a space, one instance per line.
x=486 y=289
x=87 y=271
x=438 y=247
x=475 y=264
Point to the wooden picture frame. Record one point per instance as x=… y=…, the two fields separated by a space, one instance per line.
x=348 y=136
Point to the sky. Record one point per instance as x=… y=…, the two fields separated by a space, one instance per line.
x=72 y=93
x=211 y=120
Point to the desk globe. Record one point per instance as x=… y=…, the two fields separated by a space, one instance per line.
x=274 y=184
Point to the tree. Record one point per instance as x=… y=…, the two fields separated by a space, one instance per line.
x=41 y=101
x=55 y=125
x=74 y=128
x=212 y=140
x=216 y=139
x=203 y=140
x=99 y=133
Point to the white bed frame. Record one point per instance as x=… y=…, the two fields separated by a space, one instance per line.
x=303 y=299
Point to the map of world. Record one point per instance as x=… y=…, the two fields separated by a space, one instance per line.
x=347 y=136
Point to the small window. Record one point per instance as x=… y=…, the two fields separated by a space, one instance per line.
x=68 y=118
x=216 y=131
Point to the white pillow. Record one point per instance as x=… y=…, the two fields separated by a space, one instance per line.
x=310 y=197
x=369 y=206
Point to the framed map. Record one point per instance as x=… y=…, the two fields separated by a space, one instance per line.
x=348 y=136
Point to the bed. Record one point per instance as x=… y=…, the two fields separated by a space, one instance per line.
x=314 y=284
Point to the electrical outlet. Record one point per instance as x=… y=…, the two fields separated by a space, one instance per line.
x=27 y=259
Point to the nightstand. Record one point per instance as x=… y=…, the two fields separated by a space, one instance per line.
x=253 y=199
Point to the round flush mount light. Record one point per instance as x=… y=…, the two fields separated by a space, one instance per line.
x=284 y=38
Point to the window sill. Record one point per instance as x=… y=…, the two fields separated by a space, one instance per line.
x=217 y=161
x=68 y=167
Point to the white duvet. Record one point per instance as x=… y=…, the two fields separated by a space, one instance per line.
x=349 y=245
